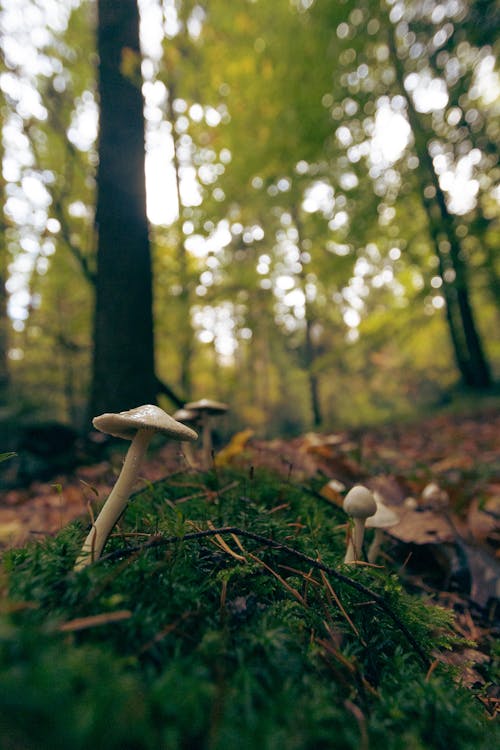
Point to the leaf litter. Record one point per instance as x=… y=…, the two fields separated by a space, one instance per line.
x=441 y=475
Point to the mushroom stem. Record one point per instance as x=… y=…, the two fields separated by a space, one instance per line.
x=116 y=502
x=374 y=549
x=189 y=455
x=206 y=437
x=355 y=545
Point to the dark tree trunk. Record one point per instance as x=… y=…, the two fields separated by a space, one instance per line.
x=310 y=356
x=309 y=347
x=123 y=367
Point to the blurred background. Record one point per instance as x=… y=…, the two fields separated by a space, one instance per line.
x=291 y=206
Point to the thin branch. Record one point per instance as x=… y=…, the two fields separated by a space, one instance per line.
x=159 y=541
x=166 y=390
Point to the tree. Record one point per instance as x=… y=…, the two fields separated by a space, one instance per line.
x=402 y=44
x=123 y=364
x=467 y=344
x=4 y=320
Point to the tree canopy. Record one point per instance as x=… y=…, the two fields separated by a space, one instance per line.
x=323 y=201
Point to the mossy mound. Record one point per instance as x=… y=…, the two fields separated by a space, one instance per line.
x=181 y=638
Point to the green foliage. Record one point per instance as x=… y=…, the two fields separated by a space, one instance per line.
x=266 y=103
x=53 y=695
x=249 y=645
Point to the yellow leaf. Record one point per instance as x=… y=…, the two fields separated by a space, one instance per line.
x=9 y=531
x=330 y=491
x=234 y=448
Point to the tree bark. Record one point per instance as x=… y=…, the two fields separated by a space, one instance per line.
x=185 y=331
x=123 y=365
x=309 y=347
x=311 y=375
x=4 y=327
x=4 y=319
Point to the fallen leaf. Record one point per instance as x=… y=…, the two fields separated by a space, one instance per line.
x=331 y=491
x=483 y=521
x=11 y=531
x=422 y=527
x=234 y=448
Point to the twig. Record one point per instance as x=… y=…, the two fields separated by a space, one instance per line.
x=105 y=618
x=160 y=541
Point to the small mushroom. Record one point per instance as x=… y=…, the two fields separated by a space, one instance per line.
x=383 y=519
x=359 y=503
x=190 y=419
x=434 y=496
x=186 y=416
x=411 y=503
x=138 y=425
x=205 y=409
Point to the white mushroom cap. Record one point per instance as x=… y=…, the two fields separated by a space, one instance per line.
x=207 y=406
x=185 y=416
x=384 y=518
x=151 y=418
x=359 y=502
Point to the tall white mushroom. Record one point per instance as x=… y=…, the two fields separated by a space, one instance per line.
x=359 y=504
x=206 y=409
x=138 y=425
x=383 y=519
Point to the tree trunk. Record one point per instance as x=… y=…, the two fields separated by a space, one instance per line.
x=123 y=366
x=470 y=357
x=311 y=375
x=309 y=347
x=4 y=329
x=185 y=331
x=4 y=319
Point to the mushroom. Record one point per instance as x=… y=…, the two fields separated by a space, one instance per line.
x=434 y=496
x=190 y=419
x=138 y=425
x=383 y=519
x=205 y=409
x=359 y=503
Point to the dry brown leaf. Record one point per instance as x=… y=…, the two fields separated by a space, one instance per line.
x=422 y=527
x=331 y=491
x=462 y=461
x=483 y=521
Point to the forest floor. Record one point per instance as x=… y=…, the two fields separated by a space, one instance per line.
x=448 y=464
x=441 y=475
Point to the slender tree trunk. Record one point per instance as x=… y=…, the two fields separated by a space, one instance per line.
x=4 y=329
x=452 y=314
x=470 y=357
x=186 y=331
x=479 y=139
x=490 y=266
x=123 y=366
x=312 y=377
x=4 y=319
x=309 y=348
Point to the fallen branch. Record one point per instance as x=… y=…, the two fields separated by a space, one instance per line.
x=160 y=541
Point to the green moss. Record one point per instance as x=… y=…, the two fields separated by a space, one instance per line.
x=265 y=652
